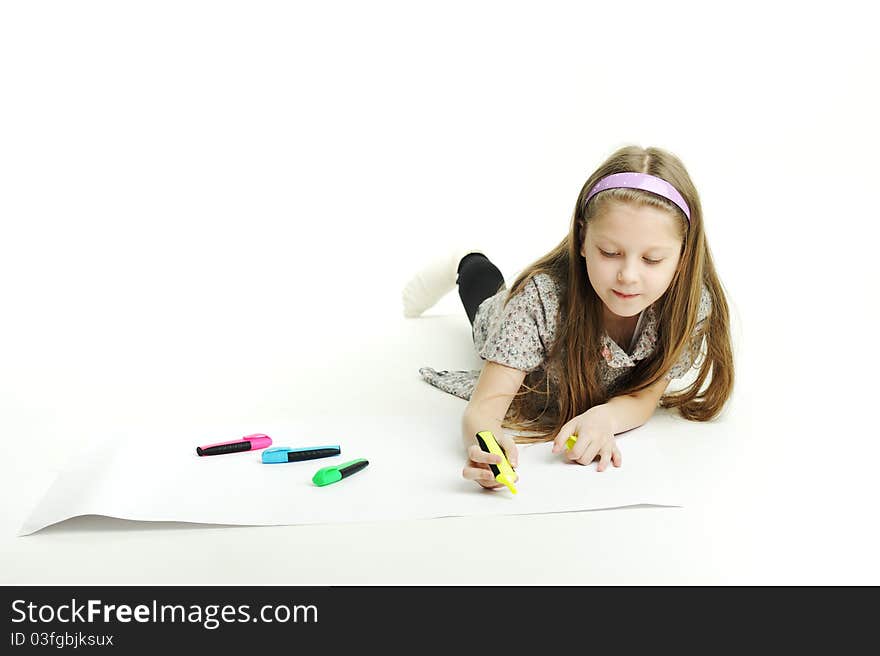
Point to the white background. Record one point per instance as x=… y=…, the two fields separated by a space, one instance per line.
x=210 y=191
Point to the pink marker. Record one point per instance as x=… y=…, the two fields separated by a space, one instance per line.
x=247 y=443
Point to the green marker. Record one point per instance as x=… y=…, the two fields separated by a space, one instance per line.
x=334 y=473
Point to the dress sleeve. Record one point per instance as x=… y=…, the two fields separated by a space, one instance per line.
x=523 y=332
x=692 y=351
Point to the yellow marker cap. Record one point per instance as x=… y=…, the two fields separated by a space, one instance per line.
x=503 y=471
x=570 y=441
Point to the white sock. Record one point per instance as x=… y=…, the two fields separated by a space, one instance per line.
x=432 y=283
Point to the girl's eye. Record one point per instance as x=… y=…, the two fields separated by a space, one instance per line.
x=616 y=254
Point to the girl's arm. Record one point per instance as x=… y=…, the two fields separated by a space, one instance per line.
x=490 y=400
x=486 y=410
x=630 y=411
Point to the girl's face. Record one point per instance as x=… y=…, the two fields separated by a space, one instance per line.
x=631 y=251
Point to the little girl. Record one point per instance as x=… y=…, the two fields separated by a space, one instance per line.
x=589 y=336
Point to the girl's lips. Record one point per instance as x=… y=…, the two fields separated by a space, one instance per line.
x=624 y=295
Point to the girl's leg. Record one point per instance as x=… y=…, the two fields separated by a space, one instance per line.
x=478 y=279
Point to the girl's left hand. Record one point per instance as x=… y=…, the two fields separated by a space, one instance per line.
x=595 y=439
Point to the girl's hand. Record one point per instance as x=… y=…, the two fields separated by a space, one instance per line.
x=477 y=467
x=595 y=439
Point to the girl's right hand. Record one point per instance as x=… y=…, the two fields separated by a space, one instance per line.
x=477 y=467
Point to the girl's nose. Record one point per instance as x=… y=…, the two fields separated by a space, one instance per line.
x=627 y=274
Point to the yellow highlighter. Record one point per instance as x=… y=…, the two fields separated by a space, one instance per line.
x=570 y=441
x=503 y=471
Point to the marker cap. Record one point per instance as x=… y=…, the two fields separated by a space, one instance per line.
x=258 y=440
x=275 y=454
x=327 y=475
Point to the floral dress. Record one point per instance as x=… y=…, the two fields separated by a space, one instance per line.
x=520 y=334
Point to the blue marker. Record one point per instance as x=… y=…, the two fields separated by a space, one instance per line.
x=286 y=454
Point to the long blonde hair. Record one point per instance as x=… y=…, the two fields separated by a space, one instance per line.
x=578 y=341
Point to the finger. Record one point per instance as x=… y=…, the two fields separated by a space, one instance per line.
x=580 y=447
x=616 y=458
x=589 y=454
x=510 y=450
x=604 y=459
x=559 y=441
x=483 y=477
x=576 y=451
x=479 y=474
x=476 y=454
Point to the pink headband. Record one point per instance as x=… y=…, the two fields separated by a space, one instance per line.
x=643 y=181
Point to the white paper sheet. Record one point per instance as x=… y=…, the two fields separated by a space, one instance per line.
x=413 y=473
x=408 y=430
